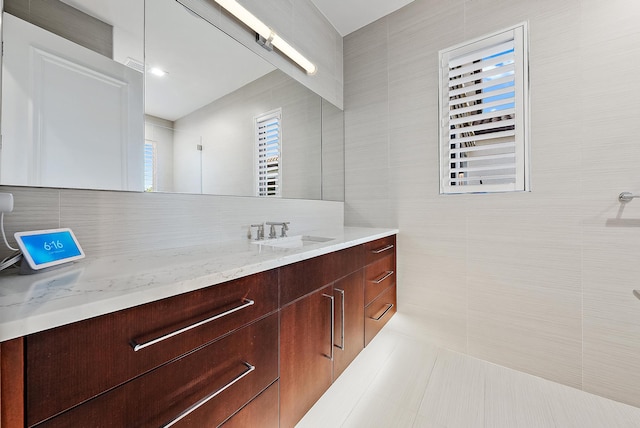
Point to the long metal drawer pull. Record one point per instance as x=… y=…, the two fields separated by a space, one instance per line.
x=383 y=277
x=389 y=306
x=333 y=311
x=383 y=249
x=342 y=320
x=203 y=401
x=138 y=346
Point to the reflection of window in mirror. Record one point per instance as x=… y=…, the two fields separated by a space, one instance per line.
x=269 y=153
x=150 y=166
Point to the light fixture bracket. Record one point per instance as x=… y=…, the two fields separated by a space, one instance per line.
x=262 y=30
x=265 y=43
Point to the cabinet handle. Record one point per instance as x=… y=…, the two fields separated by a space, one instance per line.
x=389 y=306
x=204 y=400
x=136 y=345
x=342 y=319
x=383 y=277
x=333 y=310
x=382 y=250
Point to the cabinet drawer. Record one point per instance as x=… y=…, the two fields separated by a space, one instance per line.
x=223 y=376
x=379 y=276
x=347 y=261
x=379 y=248
x=261 y=412
x=302 y=278
x=71 y=364
x=378 y=313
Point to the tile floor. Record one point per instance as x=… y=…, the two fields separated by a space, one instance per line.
x=399 y=381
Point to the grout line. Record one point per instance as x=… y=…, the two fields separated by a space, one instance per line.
x=424 y=393
x=371 y=380
x=59 y=209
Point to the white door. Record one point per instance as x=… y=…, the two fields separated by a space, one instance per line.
x=70 y=116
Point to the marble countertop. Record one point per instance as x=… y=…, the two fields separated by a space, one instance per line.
x=96 y=286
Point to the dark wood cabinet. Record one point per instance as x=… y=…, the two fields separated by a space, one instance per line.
x=255 y=351
x=348 y=293
x=12 y=383
x=378 y=313
x=261 y=412
x=380 y=285
x=68 y=365
x=380 y=275
x=379 y=248
x=305 y=354
x=322 y=332
x=201 y=388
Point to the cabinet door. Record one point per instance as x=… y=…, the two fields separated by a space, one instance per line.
x=305 y=354
x=349 y=320
x=12 y=383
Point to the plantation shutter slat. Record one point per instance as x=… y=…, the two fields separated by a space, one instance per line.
x=483 y=127
x=480 y=96
x=484 y=147
x=478 y=76
x=472 y=89
x=486 y=52
x=482 y=137
x=478 y=180
x=483 y=115
x=482 y=65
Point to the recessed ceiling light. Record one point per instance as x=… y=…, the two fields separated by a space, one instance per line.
x=157 y=72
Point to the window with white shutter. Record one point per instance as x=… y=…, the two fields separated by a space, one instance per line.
x=269 y=166
x=150 y=166
x=484 y=114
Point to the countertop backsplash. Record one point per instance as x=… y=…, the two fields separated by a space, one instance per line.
x=111 y=223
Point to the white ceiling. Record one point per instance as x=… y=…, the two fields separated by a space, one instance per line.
x=203 y=63
x=348 y=16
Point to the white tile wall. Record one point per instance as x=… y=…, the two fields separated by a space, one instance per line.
x=540 y=281
x=109 y=223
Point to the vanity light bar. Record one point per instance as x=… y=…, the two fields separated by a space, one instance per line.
x=237 y=10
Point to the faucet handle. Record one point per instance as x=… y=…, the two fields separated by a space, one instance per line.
x=259 y=231
x=285 y=227
x=272 y=231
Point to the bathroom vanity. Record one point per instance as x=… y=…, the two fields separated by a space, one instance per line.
x=248 y=335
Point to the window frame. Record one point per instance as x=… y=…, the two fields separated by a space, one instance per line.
x=519 y=34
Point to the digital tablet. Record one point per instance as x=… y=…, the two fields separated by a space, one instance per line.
x=46 y=248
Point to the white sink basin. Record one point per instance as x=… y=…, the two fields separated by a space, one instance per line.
x=293 y=241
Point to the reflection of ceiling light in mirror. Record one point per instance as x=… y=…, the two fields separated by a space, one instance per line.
x=267 y=34
x=157 y=72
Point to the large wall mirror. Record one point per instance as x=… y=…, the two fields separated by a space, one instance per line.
x=215 y=118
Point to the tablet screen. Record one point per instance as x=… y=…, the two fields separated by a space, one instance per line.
x=45 y=248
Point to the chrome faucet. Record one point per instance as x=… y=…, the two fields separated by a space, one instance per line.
x=272 y=231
